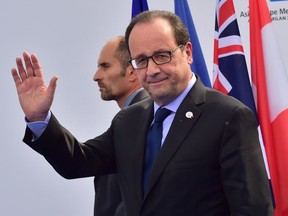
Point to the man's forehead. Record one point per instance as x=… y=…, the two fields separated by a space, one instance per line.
x=107 y=53
x=150 y=32
x=151 y=44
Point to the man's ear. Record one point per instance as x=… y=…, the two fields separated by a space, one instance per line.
x=131 y=73
x=188 y=48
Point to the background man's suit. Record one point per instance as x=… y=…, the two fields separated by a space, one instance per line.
x=108 y=198
x=198 y=170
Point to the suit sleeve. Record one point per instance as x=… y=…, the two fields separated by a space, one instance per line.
x=244 y=176
x=71 y=158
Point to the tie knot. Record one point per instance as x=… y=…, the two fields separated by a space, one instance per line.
x=161 y=114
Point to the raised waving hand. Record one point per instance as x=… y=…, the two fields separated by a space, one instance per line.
x=34 y=96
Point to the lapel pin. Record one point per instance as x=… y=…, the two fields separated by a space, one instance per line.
x=189 y=115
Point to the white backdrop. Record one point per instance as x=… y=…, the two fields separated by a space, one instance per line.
x=67 y=36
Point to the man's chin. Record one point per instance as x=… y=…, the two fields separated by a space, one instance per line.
x=158 y=92
x=106 y=97
x=161 y=98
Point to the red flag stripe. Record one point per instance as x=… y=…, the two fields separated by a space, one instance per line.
x=230 y=49
x=271 y=92
x=225 y=11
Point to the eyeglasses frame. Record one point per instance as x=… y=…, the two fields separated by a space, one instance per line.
x=170 y=52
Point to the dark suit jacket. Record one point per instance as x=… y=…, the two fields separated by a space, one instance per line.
x=210 y=164
x=108 y=198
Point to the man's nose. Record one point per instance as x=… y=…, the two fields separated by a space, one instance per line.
x=96 y=76
x=152 y=67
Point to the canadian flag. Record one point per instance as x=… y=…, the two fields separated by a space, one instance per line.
x=270 y=90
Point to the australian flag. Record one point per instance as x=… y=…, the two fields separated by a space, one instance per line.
x=230 y=74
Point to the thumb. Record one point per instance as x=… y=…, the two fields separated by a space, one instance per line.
x=52 y=86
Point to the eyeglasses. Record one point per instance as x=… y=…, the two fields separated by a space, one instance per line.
x=158 y=58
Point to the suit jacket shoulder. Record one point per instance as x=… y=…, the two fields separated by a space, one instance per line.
x=143 y=94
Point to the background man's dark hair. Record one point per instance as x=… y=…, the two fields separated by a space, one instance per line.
x=122 y=54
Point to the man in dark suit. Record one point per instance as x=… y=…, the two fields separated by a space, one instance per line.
x=210 y=162
x=117 y=81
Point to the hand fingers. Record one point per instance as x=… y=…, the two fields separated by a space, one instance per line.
x=16 y=77
x=36 y=66
x=21 y=69
x=28 y=64
x=32 y=67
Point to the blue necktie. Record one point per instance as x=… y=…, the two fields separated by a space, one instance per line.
x=153 y=144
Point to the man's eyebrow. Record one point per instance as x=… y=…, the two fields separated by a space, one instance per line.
x=155 y=52
x=103 y=64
